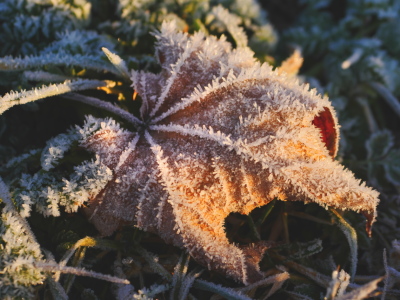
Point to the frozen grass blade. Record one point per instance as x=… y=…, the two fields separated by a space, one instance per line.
x=53 y=267
x=387 y=275
x=267 y=211
x=387 y=96
x=309 y=217
x=45 y=76
x=9 y=63
x=118 y=63
x=298 y=296
x=56 y=289
x=355 y=57
x=306 y=249
x=369 y=116
x=276 y=281
x=187 y=284
x=361 y=292
x=86 y=242
x=17 y=98
x=152 y=261
x=253 y=229
x=392 y=277
x=338 y=285
x=228 y=293
x=180 y=272
x=277 y=284
x=319 y=278
x=150 y=293
x=182 y=281
x=325 y=282
x=351 y=237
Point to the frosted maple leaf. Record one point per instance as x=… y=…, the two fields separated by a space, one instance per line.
x=218 y=133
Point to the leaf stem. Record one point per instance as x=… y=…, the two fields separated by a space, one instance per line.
x=387 y=95
x=266 y=213
x=305 y=216
x=351 y=237
x=105 y=105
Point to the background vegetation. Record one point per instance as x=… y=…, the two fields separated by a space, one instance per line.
x=351 y=52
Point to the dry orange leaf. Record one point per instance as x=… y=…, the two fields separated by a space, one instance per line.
x=219 y=133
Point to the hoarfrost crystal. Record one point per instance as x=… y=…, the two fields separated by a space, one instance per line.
x=219 y=133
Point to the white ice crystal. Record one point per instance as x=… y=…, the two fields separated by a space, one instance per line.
x=18 y=252
x=55 y=149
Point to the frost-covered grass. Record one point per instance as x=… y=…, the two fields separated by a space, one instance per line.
x=49 y=248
